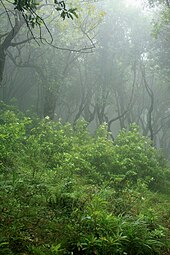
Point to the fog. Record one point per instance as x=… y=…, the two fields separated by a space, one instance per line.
x=108 y=65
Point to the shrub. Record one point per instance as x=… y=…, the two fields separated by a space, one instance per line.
x=64 y=191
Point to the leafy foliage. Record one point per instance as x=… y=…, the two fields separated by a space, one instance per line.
x=28 y=9
x=64 y=191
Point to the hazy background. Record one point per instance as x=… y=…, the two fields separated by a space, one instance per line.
x=109 y=65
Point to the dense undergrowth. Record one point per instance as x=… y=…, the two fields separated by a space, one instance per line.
x=64 y=191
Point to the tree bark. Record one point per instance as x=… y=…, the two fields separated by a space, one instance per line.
x=7 y=42
x=2 y=63
x=49 y=104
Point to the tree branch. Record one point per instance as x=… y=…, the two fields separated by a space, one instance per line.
x=21 y=42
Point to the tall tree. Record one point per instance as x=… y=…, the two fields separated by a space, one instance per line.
x=15 y=14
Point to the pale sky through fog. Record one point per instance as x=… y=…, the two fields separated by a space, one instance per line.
x=133 y=2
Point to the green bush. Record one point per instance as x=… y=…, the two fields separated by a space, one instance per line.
x=65 y=191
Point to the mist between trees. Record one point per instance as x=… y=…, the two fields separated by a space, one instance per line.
x=101 y=61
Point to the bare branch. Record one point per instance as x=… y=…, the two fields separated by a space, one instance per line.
x=42 y=20
x=7 y=13
x=81 y=50
x=3 y=35
x=21 y=42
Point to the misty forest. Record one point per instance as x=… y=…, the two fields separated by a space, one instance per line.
x=84 y=127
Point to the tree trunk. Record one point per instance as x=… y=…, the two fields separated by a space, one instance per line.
x=2 y=63
x=49 y=104
x=7 y=42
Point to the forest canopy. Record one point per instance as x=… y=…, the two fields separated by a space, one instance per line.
x=29 y=10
